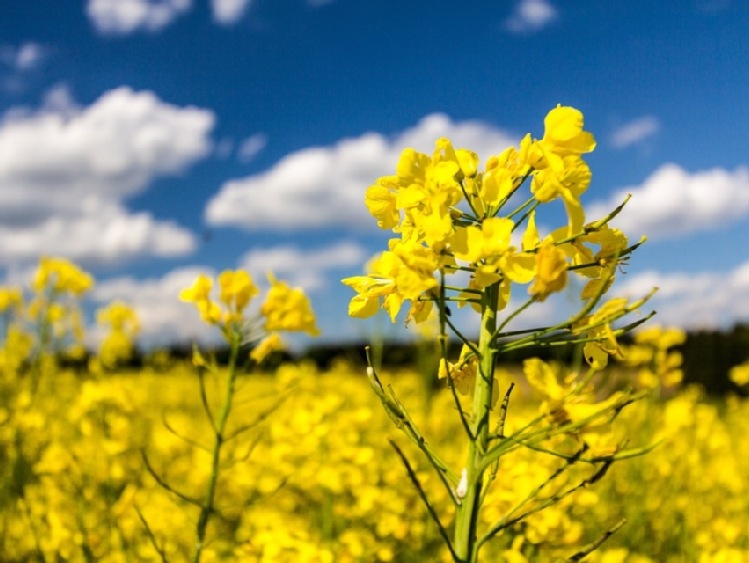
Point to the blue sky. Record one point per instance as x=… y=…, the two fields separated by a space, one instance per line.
x=153 y=139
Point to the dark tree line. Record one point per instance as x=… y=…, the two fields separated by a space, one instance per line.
x=708 y=355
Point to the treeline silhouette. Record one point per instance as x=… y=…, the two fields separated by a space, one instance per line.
x=708 y=355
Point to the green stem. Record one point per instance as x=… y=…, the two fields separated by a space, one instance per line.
x=208 y=507
x=466 y=545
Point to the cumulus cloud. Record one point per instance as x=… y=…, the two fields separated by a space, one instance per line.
x=530 y=16
x=322 y=187
x=113 y=235
x=121 y=17
x=634 y=132
x=673 y=202
x=65 y=172
x=693 y=300
x=251 y=146
x=304 y=267
x=226 y=12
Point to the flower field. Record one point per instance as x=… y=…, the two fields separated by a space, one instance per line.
x=605 y=458
x=315 y=478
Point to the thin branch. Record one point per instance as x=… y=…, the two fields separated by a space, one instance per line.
x=432 y=512
x=166 y=486
x=258 y=420
x=204 y=397
x=395 y=411
x=151 y=535
x=186 y=439
x=590 y=548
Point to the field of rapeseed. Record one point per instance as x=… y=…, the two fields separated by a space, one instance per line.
x=317 y=480
x=537 y=462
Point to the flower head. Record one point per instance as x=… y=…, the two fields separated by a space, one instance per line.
x=288 y=309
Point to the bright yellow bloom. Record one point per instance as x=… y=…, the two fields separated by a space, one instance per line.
x=61 y=275
x=406 y=271
x=659 y=365
x=288 y=309
x=10 y=297
x=199 y=295
x=568 y=182
x=380 y=200
x=561 y=403
x=237 y=288
x=124 y=325
x=559 y=171
x=200 y=290
x=563 y=131
x=266 y=347
x=490 y=240
x=740 y=374
x=119 y=316
x=551 y=273
x=423 y=190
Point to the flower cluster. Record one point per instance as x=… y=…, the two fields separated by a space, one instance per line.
x=61 y=276
x=123 y=326
x=450 y=218
x=284 y=309
x=658 y=364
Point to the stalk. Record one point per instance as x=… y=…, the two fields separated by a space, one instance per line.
x=208 y=507
x=466 y=545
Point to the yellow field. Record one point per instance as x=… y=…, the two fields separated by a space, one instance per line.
x=315 y=478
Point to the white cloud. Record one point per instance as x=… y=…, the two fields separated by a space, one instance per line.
x=673 y=202
x=693 y=300
x=226 y=12
x=304 y=267
x=530 y=16
x=24 y=57
x=324 y=187
x=251 y=146
x=109 y=236
x=65 y=171
x=120 y=17
x=164 y=318
x=634 y=132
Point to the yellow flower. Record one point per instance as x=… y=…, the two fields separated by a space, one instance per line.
x=237 y=288
x=199 y=291
x=551 y=273
x=561 y=404
x=490 y=240
x=10 y=297
x=288 y=309
x=380 y=200
x=123 y=325
x=62 y=276
x=406 y=271
x=119 y=316
x=740 y=374
x=199 y=295
x=266 y=347
x=651 y=353
x=563 y=131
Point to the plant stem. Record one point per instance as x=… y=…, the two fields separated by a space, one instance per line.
x=466 y=546
x=219 y=437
